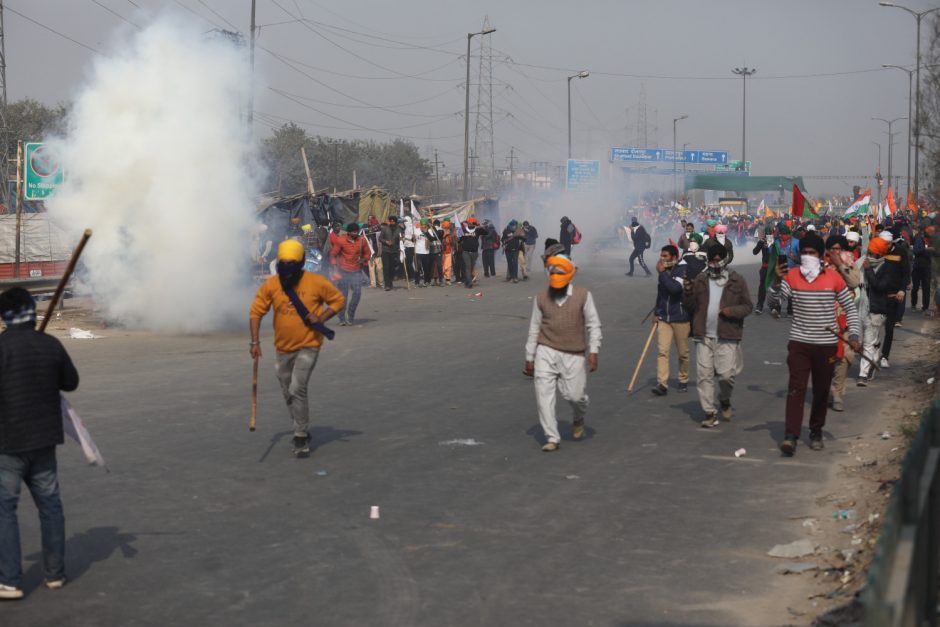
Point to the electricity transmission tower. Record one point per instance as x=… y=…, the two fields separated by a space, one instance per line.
x=485 y=166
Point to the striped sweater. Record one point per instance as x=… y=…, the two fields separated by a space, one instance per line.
x=814 y=306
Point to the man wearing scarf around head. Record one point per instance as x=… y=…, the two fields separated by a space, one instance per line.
x=556 y=352
x=719 y=301
x=34 y=367
x=814 y=290
x=296 y=340
x=350 y=256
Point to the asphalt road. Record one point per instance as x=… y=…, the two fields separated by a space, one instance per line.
x=650 y=520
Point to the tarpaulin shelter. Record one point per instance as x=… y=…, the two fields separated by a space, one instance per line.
x=276 y=212
x=482 y=208
x=376 y=202
x=727 y=183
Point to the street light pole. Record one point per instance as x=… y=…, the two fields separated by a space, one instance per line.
x=890 y=143
x=466 y=118
x=744 y=72
x=878 y=197
x=675 y=180
x=910 y=79
x=581 y=74
x=918 y=15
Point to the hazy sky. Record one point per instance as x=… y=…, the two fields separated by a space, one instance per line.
x=385 y=69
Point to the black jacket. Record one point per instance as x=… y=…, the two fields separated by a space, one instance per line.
x=33 y=368
x=881 y=284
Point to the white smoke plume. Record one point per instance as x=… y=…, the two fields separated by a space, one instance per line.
x=159 y=165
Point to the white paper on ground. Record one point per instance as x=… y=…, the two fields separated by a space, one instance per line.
x=81 y=334
x=75 y=429
x=461 y=442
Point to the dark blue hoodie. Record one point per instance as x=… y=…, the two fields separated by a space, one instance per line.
x=669 y=294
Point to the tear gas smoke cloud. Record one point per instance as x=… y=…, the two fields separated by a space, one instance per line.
x=159 y=166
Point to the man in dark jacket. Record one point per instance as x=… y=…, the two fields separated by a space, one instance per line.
x=531 y=237
x=898 y=260
x=390 y=237
x=673 y=325
x=34 y=367
x=882 y=283
x=566 y=236
x=719 y=301
x=920 y=274
x=641 y=241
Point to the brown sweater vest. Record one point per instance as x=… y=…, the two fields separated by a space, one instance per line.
x=562 y=327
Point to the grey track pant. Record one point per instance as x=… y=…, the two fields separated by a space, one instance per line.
x=293 y=372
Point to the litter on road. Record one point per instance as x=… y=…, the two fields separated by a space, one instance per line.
x=794 y=567
x=799 y=548
x=461 y=442
x=740 y=452
x=81 y=334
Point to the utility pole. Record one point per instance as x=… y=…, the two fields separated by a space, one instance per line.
x=437 y=177
x=20 y=183
x=918 y=16
x=4 y=131
x=890 y=145
x=878 y=174
x=512 y=158
x=251 y=82
x=744 y=72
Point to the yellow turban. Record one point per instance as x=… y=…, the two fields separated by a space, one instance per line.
x=290 y=250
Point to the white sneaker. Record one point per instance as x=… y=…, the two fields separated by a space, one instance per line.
x=10 y=592
x=884 y=363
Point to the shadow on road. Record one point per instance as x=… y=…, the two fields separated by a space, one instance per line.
x=318 y=437
x=84 y=549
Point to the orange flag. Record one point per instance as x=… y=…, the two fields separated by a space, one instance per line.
x=911 y=205
x=892 y=205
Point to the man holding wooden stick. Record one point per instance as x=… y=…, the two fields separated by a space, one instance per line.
x=302 y=302
x=719 y=301
x=555 y=351
x=814 y=291
x=34 y=367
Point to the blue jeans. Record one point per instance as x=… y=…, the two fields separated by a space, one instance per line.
x=351 y=287
x=38 y=470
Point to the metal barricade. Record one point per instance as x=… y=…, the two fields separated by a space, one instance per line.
x=902 y=582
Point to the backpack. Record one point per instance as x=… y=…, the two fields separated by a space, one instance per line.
x=576 y=238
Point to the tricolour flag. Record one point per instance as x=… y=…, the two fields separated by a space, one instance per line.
x=860 y=207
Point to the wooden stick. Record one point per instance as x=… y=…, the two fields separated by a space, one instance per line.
x=64 y=280
x=639 y=363
x=648 y=316
x=860 y=353
x=254 y=396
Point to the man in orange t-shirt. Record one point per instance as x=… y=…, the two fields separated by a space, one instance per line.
x=350 y=255
x=296 y=343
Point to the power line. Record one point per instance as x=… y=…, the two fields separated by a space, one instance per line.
x=371 y=78
x=351 y=52
x=389 y=109
x=217 y=14
x=353 y=124
x=116 y=14
x=52 y=30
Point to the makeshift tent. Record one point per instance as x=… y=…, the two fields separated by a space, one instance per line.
x=728 y=183
x=376 y=202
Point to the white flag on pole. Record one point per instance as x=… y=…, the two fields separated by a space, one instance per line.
x=75 y=428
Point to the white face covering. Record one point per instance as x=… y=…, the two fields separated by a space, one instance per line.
x=809 y=267
x=770 y=240
x=693 y=246
x=720 y=237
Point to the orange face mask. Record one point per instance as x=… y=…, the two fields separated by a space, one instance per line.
x=560 y=271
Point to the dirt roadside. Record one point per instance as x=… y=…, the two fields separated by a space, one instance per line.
x=843 y=523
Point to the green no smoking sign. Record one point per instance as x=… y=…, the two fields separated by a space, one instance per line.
x=43 y=171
